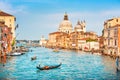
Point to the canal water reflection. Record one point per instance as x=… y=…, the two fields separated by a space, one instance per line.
x=75 y=66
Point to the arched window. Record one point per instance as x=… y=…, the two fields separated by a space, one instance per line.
x=115 y=42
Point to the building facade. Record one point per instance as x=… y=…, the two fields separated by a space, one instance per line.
x=42 y=41
x=111 y=34
x=53 y=39
x=63 y=40
x=76 y=40
x=9 y=21
x=5 y=40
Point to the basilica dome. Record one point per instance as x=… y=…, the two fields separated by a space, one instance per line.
x=65 y=25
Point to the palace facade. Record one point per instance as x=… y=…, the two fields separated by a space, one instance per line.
x=9 y=21
x=111 y=34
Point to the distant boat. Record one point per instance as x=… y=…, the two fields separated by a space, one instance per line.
x=118 y=64
x=55 y=50
x=15 y=54
x=48 y=67
x=33 y=58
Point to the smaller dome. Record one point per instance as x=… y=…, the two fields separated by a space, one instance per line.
x=78 y=26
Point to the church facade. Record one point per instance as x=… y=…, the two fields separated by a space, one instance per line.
x=71 y=38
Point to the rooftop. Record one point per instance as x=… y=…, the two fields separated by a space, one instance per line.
x=4 y=14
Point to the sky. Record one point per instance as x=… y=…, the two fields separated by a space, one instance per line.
x=37 y=18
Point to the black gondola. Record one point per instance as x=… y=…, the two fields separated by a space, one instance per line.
x=48 y=67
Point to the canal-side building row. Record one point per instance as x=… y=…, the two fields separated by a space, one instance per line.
x=9 y=21
x=7 y=33
x=69 y=38
x=5 y=40
x=111 y=34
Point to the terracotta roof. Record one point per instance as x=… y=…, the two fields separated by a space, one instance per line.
x=57 y=33
x=110 y=19
x=4 y=14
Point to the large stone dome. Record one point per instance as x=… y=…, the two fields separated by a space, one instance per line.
x=65 y=25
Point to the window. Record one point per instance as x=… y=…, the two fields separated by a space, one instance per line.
x=108 y=33
x=5 y=35
x=10 y=25
x=10 y=20
x=109 y=25
x=115 y=32
x=108 y=41
x=68 y=31
x=116 y=20
x=0 y=33
x=115 y=42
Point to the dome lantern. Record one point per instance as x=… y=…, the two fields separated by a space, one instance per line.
x=65 y=16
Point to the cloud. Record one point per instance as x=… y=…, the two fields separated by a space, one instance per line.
x=7 y=7
x=111 y=13
x=94 y=20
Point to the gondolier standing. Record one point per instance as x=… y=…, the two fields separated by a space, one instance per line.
x=118 y=63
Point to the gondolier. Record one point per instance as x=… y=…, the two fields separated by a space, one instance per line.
x=118 y=63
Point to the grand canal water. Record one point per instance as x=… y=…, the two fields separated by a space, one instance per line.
x=75 y=66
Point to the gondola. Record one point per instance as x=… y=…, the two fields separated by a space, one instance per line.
x=33 y=58
x=48 y=67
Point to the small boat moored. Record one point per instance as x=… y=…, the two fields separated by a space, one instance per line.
x=48 y=67
x=15 y=54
